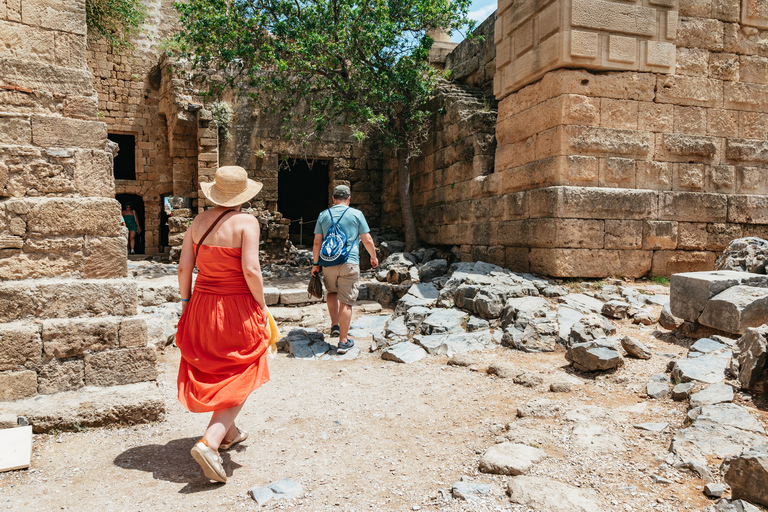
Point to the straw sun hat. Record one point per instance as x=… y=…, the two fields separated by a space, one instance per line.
x=230 y=187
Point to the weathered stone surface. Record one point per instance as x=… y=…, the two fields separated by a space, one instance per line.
x=539 y=408
x=748 y=254
x=20 y=344
x=583 y=303
x=74 y=216
x=707 y=368
x=682 y=391
x=522 y=308
x=58 y=376
x=469 y=490
x=158 y=291
x=714 y=394
x=293 y=296
x=539 y=336
x=71 y=337
x=161 y=322
x=304 y=344
x=551 y=495
x=422 y=294
x=432 y=269
x=90 y=407
x=747 y=475
x=510 y=459
x=121 y=366
x=104 y=257
x=736 y=309
x=595 y=438
x=443 y=321
x=405 y=352
x=657 y=390
x=591 y=327
x=750 y=358
x=667 y=320
x=133 y=333
x=450 y=344
x=16 y=385
x=690 y=292
x=600 y=354
x=271 y=295
x=282 y=489
x=708 y=345
x=590 y=262
x=67 y=298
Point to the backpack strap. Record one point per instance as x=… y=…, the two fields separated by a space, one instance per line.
x=197 y=249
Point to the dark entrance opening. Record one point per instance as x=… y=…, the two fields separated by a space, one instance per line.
x=164 y=232
x=125 y=161
x=137 y=204
x=302 y=192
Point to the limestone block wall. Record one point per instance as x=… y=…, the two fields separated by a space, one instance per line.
x=631 y=173
x=128 y=84
x=473 y=62
x=62 y=254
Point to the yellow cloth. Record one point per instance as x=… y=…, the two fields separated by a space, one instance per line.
x=274 y=335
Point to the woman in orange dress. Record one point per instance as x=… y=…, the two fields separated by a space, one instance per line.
x=223 y=332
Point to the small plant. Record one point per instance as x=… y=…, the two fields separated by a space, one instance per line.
x=115 y=21
x=661 y=280
x=260 y=153
x=222 y=113
x=100 y=115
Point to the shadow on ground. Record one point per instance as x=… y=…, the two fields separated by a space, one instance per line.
x=173 y=463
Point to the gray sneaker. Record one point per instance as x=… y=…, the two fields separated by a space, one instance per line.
x=344 y=347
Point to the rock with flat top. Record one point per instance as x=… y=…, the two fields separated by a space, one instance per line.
x=510 y=459
x=747 y=474
x=750 y=358
x=714 y=394
x=404 y=352
x=709 y=369
x=597 y=355
x=635 y=348
x=689 y=292
x=736 y=309
x=545 y=494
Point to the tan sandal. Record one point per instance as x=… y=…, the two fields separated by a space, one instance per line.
x=209 y=461
x=241 y=436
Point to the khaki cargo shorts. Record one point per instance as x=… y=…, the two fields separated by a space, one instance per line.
x=343 y=280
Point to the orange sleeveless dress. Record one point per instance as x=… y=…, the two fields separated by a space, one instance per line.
x=221 y=335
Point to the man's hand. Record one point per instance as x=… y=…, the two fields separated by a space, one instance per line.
x=374 y=261
x=315 y=269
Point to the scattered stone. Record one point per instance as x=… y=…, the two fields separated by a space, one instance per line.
x=303 y=344
x=749 y=254
x=566 y=318
x=405 y=352
x=667 y=320
x=750 y=359
x=583 y=303
x=462 y=360
x=657 y=428
x=661 y=480
x=714 y=394
x=523 y=308
x=432 y=269
x=682 y=391
x=707 y=368
x=477 y=324
x=591 y=436
x=747 y=474
x=657 y=390
x=600 y=354
x=550 y=495
x=282 y=489
x=538 y=337
x=503 y=370
x=421 y=294
x=707 y=345
x=414 y=317
x=646 y=316
x=634 y=348
x=368 y=326
x=395 y=328
x=539 y=408
x=689 y=292
x=725 y=505
x=528 y=380
x=661 y=377
x=510 y=459
x=554 y=291
x=443 y=321
x=714 y=490
x=560 y=387
x=469 y=490
x=591 y=327
x=736 y=309
x=449 y=344
x=616 y=309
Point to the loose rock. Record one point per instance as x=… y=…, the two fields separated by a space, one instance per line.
x=634 y=348
x=510 y=459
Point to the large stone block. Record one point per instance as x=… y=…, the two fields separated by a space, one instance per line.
x=72 y=337
x=589 y=262
x=133 y=333
x=62 y=15
x=20 y=344
x=689 y=292
x=747 y=151
x=67 y=298
x=57 y=376
x=93 y=173
x=50 y=131
x=15 y=130
x=666 y=263
x=693 y=207
x=121 y=366
x=598 y=141
x=623 y=234
x=687 y=148
x=748 y=209
x=592 y=203
x=69 y=215
x=689 y=90
x=659 y=235
x=575 y=233
x=736 y=309
x=104 y=257
x=16 y=385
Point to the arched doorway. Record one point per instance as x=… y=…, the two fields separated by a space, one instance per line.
x=302 y=192
x=137 y=203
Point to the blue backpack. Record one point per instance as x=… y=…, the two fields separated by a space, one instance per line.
x=334 y=250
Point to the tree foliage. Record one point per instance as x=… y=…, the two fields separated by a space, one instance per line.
x=361 y=63
x=115 y=21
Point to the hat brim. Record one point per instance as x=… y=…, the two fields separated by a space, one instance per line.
x=218 y=198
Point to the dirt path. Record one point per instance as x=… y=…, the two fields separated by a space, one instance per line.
x=366 y=435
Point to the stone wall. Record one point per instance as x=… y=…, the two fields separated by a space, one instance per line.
x=635 y=172
x=473 y=61
x=128 y=84
x=62 y=253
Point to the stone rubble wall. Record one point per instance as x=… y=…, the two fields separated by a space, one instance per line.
x=473 y=61
x=67 y=310
x=129 y=91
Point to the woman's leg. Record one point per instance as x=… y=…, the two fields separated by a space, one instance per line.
x=133 y=238
x=222 y=426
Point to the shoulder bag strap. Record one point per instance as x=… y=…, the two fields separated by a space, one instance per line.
x=209 y=230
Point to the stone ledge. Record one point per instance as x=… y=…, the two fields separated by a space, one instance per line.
x=87 y=407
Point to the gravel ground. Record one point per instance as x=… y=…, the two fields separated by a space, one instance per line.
x=370 y=434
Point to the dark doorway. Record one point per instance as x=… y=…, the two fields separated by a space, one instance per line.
x=137 y=203
x=302 y=192
x=125 y=161
x=164 y=232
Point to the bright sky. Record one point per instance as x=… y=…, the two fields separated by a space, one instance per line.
x=479 y=11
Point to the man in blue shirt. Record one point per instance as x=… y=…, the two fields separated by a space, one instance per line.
x=341 y=281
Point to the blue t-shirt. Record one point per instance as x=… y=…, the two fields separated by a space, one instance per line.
x=352 y=223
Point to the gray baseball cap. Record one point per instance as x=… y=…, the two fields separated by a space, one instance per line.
x=341 y=191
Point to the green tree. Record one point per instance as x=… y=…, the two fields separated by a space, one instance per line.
x=361 y=63
x=115 y=21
